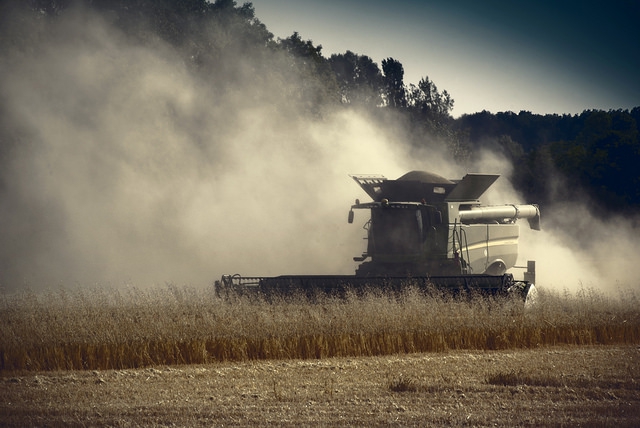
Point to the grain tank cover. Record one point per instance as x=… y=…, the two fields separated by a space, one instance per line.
x=417 y=186
x=425 y=177
x=471 y=187
x=423 y=186
x=370 y=183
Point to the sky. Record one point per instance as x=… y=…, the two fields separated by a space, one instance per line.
x=540 y=56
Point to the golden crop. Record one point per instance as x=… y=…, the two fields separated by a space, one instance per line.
x=127 y=328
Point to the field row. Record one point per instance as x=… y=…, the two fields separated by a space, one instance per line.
x=117 y=329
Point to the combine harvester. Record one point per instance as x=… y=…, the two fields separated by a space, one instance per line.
x=424 y=231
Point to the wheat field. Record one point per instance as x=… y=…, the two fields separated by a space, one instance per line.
x=129 y=327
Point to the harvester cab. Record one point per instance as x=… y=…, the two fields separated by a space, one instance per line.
x=423 y=224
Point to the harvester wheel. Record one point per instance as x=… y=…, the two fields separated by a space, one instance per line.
x=497 y=268
x=520 y=289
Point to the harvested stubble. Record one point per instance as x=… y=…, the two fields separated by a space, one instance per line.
x=116 y=329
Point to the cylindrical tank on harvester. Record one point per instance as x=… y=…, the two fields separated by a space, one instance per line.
x=502 y=212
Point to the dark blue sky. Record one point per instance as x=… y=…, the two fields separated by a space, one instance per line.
x=542 y=56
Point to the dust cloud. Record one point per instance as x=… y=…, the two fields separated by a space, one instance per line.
x=575 y=250
x=127 y=167
x=580 y=251
x=132 y=168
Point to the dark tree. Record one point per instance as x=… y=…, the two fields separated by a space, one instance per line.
x=593 y=155
x=316 y=80
x=358 y=77
x=394 y=82
x=428 y=101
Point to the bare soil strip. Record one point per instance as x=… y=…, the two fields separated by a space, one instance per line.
x=557 y=386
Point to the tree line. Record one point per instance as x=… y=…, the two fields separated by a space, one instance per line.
x=594 y=153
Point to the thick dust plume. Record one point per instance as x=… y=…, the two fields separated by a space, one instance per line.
x=576 y=249
x=126 y=166
x=581 y=251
